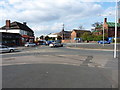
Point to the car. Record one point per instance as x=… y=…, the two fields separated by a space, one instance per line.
x=104 y=42
x=28 y=44
x=54 y=44
x=4 y=48
x=49 y=42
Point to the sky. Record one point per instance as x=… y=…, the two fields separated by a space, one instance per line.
x=48 y=16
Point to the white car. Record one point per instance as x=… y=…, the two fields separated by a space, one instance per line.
x=4 y=48
x=54 y=44
x=30 y=44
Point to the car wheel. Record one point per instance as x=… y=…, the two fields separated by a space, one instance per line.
x=11 y=50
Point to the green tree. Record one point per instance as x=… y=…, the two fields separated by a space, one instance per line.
x=42 y=37
x=87 y=36
x=99 y=37
x=96 y=24
x=47 y=38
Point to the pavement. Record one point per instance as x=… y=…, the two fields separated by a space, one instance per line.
x=91 y=46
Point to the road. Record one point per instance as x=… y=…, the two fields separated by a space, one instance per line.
x=44 y=67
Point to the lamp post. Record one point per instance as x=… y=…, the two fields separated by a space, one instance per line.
x=116 y=18
x=104 y=27
x=103 y=35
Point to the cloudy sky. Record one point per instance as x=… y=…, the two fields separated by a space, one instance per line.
x=47 y=16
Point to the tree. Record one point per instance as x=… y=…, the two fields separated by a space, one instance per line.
x=80 y=27
x=37 y=38
x=47 y=38
x=59 y=38
x=87 y=36
x=96 y=24
x=42 y=37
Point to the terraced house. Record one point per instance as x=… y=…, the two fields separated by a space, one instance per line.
x=109 y=29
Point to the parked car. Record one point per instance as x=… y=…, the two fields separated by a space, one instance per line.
x=42 y=42
x=54 y=44
x=104 y=42
x=30 y=44
x=4 y=48
x=49 y=42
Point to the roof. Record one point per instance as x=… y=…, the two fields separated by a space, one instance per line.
x=112 y=24
x=99 y=26
x=17 y=25
x=66 y=32
x=96 y=31
x=80 y=30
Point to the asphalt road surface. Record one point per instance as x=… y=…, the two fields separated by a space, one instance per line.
x=44 y=67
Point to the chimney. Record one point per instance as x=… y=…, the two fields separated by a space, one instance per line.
x=105 y=20
x=119 y=20
x=24 y=23
x=7 y=23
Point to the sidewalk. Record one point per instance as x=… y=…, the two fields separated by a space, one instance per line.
x=90 y=46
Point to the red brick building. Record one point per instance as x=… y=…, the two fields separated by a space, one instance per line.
x=109 y=29
x=77 y=34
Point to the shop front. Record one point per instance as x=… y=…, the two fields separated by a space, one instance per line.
x=26 y=38
x=10 y=39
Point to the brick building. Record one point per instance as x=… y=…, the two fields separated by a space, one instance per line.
x=27 y=34
x=77 y=34
x=109 y=29
x=66 y=35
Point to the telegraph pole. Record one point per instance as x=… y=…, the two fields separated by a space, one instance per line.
x=63 y=32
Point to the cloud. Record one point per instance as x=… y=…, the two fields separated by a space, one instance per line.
x=46 y=15
x=44 y=11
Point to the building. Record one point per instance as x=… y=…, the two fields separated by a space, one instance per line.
x=77 y=34
x=10 y=39
x=98 y=30
x=27 y=34
x=53 y=35
x=109 y=29
x=66 y=35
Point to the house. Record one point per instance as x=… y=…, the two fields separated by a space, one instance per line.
x=69 y=36
x=27 y=34
x=77 y=34
x=53 y=35
x=66 y=35
x=109 y=29
x=98 y=30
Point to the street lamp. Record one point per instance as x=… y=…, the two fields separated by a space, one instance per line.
x=116 y=18
x=104 y=27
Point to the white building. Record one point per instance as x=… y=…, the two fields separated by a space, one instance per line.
x=27 y=34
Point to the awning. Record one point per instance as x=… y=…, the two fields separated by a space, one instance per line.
x=25 y=36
